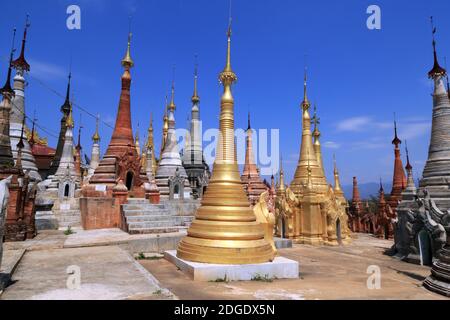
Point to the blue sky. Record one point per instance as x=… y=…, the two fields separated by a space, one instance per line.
x=357 y=77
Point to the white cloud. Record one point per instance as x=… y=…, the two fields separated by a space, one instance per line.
x=44 y=70
x=331 y=145
x=353 y=124
x=414 y=130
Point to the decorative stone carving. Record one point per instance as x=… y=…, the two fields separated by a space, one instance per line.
x=265 y=218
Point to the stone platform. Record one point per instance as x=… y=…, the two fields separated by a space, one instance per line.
x=143 y=217
x=106 y=273
x=281 y=243
x=9 y=264
x=280 y=268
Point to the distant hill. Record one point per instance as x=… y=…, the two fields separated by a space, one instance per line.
x=366 y=189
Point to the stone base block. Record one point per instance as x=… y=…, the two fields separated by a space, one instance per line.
x=281 y=243
x=100 y=213
x=280 y=268
x=46 y=220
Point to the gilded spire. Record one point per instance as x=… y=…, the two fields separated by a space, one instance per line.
x=165 y=127
x=137 y=133
x=69 y=121
x=437 y=70
x=136 y=141
x=337 y=182
x=172 y=106
x=21 y=63
x=316 y=121
x=282 y=186
x=127 y=61
x=96 y=136
x=227 y=76
x=7 y=89
x=195 y=97
x=305 y=104
x=150 y=132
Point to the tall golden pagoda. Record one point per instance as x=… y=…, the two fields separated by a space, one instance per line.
x=308 y=152
x=225 y=230
x=150 y=145
x=311 y=211
x=165 y=128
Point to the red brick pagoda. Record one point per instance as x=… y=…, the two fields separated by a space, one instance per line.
x=399 y=177
x=250 y=178
x=117 y=175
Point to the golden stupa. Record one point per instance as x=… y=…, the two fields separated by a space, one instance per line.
x=225 y=230
x=311 y=211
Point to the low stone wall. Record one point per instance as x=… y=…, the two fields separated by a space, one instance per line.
x=100 y=213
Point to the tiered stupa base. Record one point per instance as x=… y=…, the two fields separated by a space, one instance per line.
x=279 y=268
x=439 y=281
x=225 y=230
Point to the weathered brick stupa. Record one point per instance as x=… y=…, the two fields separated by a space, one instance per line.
x=355 y=209
x=385 y=217
x=313 y=212
x=18 y=112
x=225 y=230
x=171 y=177
x=119 y=167
x=423 y=229
x=399 y=177
x=193 y=161
x=361 y=218
x=19 y=218
x=250 y=177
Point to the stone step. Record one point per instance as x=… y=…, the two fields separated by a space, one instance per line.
x=155 y=230
x=69 y=213
x=69 y=218
x=148 y=206
x=65 y=225
x=164 y=221
x=148 y=218
x=130 y=213
x=137 y=201
x=156 y=224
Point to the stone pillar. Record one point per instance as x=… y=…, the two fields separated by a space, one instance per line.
x=311 y=224
x=120 y=195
